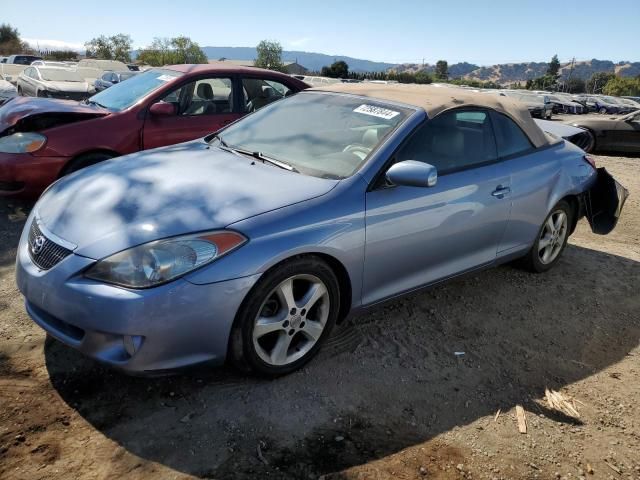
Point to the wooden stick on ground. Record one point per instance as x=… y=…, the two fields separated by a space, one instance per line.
x=522 y=420
x=495 y=419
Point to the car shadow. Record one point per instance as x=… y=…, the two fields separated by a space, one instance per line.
x=389 y=378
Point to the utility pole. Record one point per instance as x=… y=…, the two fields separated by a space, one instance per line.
x=573 y=61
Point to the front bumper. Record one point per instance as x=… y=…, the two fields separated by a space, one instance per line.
x=157 y=329
x=26 y=175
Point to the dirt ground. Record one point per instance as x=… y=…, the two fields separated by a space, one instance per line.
x=387 y=398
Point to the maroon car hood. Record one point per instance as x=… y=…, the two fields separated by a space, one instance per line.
x=20 y=108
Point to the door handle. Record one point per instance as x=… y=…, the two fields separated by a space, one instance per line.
x=501 y=191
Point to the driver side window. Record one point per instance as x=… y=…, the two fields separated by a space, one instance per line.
x=260 y=92
x=452 y=141
x=207 y=96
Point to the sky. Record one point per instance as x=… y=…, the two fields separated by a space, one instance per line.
x=400 y=31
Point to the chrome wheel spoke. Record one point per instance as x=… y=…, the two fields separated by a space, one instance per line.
x=313 y=330
x=550 y=226
x=265 y=326
x=560 y=219
x=544 y=242
x=285 y=294
x=315 y=293
x=280 y=351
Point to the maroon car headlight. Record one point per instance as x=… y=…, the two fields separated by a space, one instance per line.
x=22 y=142
x=161 y=261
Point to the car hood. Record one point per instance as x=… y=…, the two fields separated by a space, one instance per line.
x=165 y=192
x=21 y=108
x=67 y=86
x=559 y=129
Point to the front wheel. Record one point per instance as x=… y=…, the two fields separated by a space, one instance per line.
x=285 y=318
x=551 y=240
x=603 y=111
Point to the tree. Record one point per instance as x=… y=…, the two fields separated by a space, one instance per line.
x=157 y=54
x=597 y=81
x=59 y=55
x=116 y=47
x=10 y=42
x=269 y=55
x=99 y=47
x=338 y=69
x=121 y=47
x=423 y=77
x=554 y=67
x=168 y=51
x=442 y=70
x=619 y=87
x=187 y=51
x=575 y=85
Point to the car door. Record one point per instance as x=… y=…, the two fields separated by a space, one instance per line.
x=31 y=75
x=417 y=235
x=533 y=174
x=202 y=106
x=627 y=134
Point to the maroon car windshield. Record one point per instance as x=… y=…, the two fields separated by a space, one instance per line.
x=122 y=95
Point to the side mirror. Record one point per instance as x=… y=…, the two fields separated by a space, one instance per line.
x=411 y=173
x=162 y=109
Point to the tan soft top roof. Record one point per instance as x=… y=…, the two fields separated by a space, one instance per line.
x=435 y=99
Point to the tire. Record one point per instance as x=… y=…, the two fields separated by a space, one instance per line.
x=273 y=333
x=84 y=161
x=602 y=111
x=535 y=260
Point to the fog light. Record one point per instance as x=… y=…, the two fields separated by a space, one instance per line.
x=132 y=343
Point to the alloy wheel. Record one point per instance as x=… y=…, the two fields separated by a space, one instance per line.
x=291 y=320
x=552 y=237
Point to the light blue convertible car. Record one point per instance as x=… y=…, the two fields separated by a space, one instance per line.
x=251 y=244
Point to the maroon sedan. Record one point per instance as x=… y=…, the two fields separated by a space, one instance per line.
x=43 y=139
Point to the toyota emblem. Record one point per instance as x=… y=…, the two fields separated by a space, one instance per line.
x=38 y=244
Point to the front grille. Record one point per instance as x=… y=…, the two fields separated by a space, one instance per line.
x=44 y=252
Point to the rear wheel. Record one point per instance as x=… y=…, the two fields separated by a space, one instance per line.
x=285 y=318
x=551 y=240
x=84 y=161
x=603 y=111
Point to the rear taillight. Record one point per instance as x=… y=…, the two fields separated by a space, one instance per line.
x=590 y=160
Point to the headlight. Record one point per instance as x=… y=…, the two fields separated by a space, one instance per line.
x=22 y=142
x=158 y=262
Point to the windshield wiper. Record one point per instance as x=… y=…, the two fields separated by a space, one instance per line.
x=273 y=161
x=257 y=155
x=93 y=102
x=219 y=137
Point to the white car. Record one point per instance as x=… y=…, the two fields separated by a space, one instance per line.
x=53 y=82
x=7 y=91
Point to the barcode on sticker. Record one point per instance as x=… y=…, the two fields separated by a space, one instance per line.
x=376 y=111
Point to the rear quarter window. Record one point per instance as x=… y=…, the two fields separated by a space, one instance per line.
x=510 y=139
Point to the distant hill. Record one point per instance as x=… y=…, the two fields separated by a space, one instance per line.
x=310 y=60
x=506 y=73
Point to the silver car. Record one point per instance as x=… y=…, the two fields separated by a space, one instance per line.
x=53 y=82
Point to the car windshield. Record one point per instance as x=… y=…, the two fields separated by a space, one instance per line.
x=123 y=95
x=324 y=135
x=126 y=75
x=60 y=75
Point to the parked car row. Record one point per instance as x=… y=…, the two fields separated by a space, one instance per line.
x=250 y=243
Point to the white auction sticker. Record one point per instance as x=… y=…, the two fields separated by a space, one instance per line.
x=165 y=78
x=377 y=111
